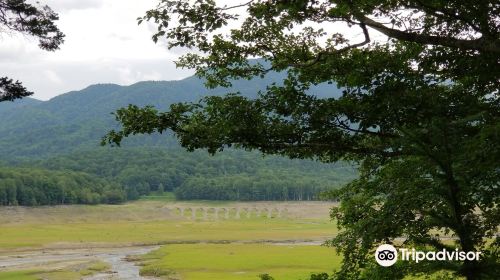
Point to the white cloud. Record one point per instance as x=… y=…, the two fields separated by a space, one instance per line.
x=66 y=5
x=16 y=49
x=53 y=77
x=103 y=44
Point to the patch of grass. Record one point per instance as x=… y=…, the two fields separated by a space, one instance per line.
x=60 y=275
x=19 y=275
x=92 y=268
x=239 y=261
x=161 y=232
x=98 y=266
x=149 y=222
x=72 y=272
x=440 y=275
x=165 y=197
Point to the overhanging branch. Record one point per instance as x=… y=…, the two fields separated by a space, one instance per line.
x=482 y=45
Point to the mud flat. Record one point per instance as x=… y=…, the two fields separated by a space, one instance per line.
x=61 y=258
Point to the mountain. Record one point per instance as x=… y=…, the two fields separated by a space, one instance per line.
x=9 y=107
x=59 y=141
x=77 y=120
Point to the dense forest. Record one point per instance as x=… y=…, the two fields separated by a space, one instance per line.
x=78 y=120
x=57 y=141
x=117 y=175
x=31 y=187
x=231 y=175
x=252 y=188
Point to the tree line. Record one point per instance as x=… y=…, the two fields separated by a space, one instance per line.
x=32 y=187
x=251 y=188
x=117 y=175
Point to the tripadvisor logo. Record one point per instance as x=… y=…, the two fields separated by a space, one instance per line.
x=387 y=255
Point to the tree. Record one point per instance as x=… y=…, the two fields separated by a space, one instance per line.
x=420 y=113
x=161 y=189
x=32 y=20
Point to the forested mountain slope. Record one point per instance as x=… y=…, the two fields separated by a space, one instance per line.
x=77 y=120
x=63 y=134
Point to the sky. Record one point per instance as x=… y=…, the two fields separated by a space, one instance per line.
x=103 y=44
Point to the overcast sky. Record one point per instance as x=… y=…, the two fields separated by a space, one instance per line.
x=103 y=44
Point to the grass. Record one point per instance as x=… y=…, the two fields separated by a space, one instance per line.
x=165 y=197
x=19 y=275
x=162 y=232
x=239 y=261
x=143 y=222
x=202 y=252
x=74 y=272
x=170 y=197
x=98 y=266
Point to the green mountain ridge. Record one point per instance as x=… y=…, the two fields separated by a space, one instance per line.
x=63 y=135
x=78 y=119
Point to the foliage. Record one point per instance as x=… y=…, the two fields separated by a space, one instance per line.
x=31 y=187
x=10 y=90
x=62 y=134
x=267 y=187
x=230 y=176
x=420 y=111
x=265 y=277
x=320 y=276
x=76 y=120
x=28 y=19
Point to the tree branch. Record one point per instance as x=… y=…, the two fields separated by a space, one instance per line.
x=480 y=44
x=236 y=6
x=435 y=12
x=339 y=51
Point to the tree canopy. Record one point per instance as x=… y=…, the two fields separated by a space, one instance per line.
x=32 y=20
x=110 y=176
x=420 y=112
x=34 y=186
